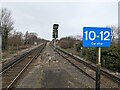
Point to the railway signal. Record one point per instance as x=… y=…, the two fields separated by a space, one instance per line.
x=55 y=26
x=97 y=37
x=55 y=33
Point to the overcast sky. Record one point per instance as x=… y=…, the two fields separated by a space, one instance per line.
x=39 y=17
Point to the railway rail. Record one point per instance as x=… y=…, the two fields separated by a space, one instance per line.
x=89 y=69
x=12 y=71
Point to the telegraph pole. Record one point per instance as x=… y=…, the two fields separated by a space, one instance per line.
x=0 y=47
x=0 y=44
x=0 y=55
x=119 y=22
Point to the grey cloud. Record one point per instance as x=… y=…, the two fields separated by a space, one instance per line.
x=72 y=17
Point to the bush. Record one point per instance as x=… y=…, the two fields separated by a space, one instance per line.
x=110 y=57
x=66 y=42
x=78 y=46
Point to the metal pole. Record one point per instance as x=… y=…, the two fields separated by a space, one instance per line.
x=54 y=48
x=54 y=43
x=0 y=60
x=0 y=47
x=98 y=65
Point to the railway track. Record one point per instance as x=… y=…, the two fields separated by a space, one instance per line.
x=89 y=69
x=12 y=71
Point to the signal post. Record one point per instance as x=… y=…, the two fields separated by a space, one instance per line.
x=55 y=34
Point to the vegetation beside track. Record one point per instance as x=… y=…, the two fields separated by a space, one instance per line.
x=13 y=40
x=110 y=56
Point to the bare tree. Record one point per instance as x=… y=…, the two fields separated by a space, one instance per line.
x=119 y=35
x=16 y=39
x=114 y=33
x=31 y=38
x=6 y=24
x=67 y=42
x=26 y=38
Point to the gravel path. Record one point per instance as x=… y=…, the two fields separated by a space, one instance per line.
x=52 y=71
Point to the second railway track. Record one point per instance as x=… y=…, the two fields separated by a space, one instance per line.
x=12 y=71
x=107 y=80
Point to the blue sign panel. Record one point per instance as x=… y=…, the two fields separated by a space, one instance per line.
x=96 y=37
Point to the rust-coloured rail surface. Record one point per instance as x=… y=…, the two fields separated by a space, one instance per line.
x=12 y=71
x=89 y=69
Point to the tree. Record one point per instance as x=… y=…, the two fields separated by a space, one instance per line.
x=119 y=35
x=16 y=39
x=67 y=42
x=6 y=25
x=30 y=38
x=26 y=38
x=115 y=34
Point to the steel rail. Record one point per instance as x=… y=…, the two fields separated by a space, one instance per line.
x=90 y=65
x=16 y=60
x=20 y=73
